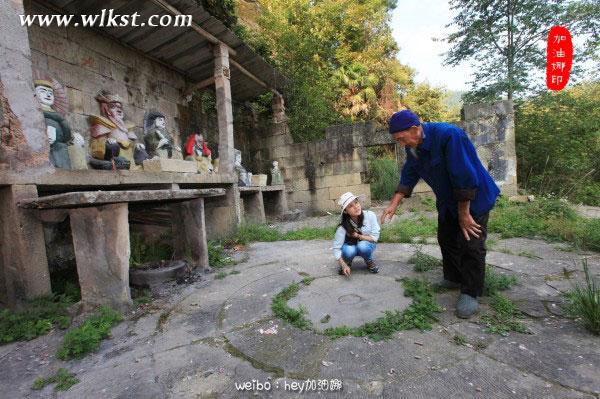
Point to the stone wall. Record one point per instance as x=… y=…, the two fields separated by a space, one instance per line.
x=317 y=173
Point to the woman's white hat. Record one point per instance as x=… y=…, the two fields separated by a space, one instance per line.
x=346 y=199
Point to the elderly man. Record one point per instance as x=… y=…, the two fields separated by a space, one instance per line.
x=445 y=158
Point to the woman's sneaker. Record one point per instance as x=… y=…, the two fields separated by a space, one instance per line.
x=372 y=267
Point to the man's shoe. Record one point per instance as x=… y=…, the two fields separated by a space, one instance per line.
x=372 y=267
x=466 y=306
x=447 y=284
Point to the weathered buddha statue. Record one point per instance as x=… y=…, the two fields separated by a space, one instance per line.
x=57 y=127
x=276 y=176
x=113 y=140
x=197 y=150
x=244 y=178
x=159 y=143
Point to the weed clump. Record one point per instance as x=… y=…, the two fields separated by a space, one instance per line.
x=280 y=308
x=424 y=262
x=584 y=302
x=495 y=282
x=82 y=340
x=38 y=318
x=63 y=379
x=504 y=318
x=216 y=255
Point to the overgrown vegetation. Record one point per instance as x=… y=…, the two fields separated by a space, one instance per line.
x=546 y=217
x=504 y=317
x=248 y=233
x=495 y=282
x=558 y=143
x=584 y=302
x=143 y=252
x=408 y=230
x=217 y=258
x=86 y=338
x=420 y=314
x=37 y=318
x=280 y=308
x=63 y=379
x=384 y=175
x=423 y=262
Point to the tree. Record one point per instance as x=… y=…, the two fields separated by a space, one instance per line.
x=505 y=39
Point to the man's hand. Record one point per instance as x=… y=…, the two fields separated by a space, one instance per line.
x=388 y=213
x=467 y=224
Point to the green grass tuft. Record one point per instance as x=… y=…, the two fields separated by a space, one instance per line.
x=424 y=262
x=82 y=340
x=495 y=282
x=221 y=275
x=63 y=379
x=383 y=176
x=216 y=255
x=38 y=318
x=584 y=302
x=459 y=339
x=281 y=309
x=504 y=318
x=407 y=230
x=420 y=314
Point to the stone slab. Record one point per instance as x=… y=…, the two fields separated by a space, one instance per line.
x=170 y=165
x=353 y=301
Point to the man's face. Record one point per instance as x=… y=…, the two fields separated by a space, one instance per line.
x=45 y=95
x=116 y=109
x=160 y=122
x=410 y=137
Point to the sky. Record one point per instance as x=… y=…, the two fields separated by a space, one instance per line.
x=414 y=24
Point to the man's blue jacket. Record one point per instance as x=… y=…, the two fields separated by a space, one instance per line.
x=448 y=162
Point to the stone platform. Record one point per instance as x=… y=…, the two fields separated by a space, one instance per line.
x=205 y=338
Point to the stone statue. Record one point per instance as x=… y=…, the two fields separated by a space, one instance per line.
x=244 y=178
x=159 y=143
x=276 y=176
x=77 y=153
x=113 y=141
x=57 y=127
x=197 y=150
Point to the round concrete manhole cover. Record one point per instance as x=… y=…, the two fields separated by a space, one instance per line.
x=350 y=301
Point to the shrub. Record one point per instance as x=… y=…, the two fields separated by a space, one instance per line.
x=383 y=176
x=63 y=379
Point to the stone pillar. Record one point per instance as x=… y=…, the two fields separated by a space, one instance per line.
x=24 y=142
x=254 y=207
x=224 y=108
x=23 y=263
x=189 y=231
x=101 y=243
x=223 y=214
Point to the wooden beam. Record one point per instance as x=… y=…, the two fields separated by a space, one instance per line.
x=251 y=76
x=95 y=198
x=194 y=25
x=199 y=86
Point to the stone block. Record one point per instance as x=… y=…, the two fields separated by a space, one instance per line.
x=281 y=152
x=101 y=243
x=75 y=100
x=170 y=165
x=299 y=184
x=300 y=196
x=39 y=60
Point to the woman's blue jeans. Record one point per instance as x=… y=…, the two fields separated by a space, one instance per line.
x=363 y=249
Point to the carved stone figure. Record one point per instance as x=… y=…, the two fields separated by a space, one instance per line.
x=77 y=152
x=57 y=127
x=113 y=140
x=276 y=176
x=159 y=143
x=244 y=178
x=197 y=150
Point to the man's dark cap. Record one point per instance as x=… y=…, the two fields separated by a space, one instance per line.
x=403 y=120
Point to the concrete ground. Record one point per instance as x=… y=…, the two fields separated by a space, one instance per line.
x=202 y=339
